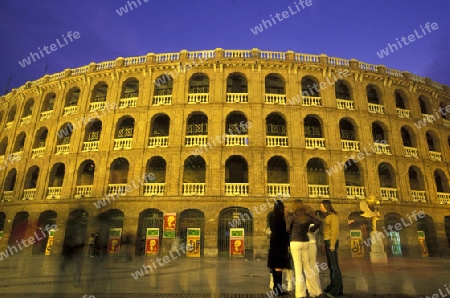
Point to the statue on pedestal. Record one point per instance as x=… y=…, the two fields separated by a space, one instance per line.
x=377 y=253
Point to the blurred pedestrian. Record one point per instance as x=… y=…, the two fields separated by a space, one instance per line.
x=330 y=237
x=278 y=258
x=92 y=245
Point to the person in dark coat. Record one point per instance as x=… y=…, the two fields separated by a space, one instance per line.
x=278 y=258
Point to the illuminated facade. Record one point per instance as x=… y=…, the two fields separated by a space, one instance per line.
x=213 y=136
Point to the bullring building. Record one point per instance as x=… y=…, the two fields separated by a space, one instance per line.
x=211 y=138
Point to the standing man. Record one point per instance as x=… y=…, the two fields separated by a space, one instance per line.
x=330 y=236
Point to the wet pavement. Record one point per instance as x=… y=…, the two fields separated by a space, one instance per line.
x=41 y=276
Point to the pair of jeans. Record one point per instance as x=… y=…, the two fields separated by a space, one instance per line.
x=300 y=255
x=336 y=287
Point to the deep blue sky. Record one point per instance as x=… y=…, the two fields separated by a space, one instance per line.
x=340 y=28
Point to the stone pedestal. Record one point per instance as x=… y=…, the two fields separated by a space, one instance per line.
x=377 y=253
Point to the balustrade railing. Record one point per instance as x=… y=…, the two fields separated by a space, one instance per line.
x=62 y=149
x=198 y=97
x=350 y=145
x=168 y=57
x=275 y=98
x=376 y=108
x=306 y=58
x=388 y=193
x=273 y=55
x=135 y=60
x=236 y=140
x=443 y=198
x=237 y=54
x=344 y=104
x=382 y=148
x=368 y=67
x=158 y=142
x=46 y=115
x=105 y=65
x=276 y=141
x=315 y=143
x=37 y=152
x=418 y=196
x=123 y=143
x=194 y=189
x=196 y=140
x=436 y=156
x=70 y=110
x=117 y=189
x=97 y=106
x=236 y=189
x=54 y=192
x=128 y=102
x=402 y=113
x=7 y=195
x=237 y=97
x=355 y=192
x=29 y=194
x=338 y=61
x=154 y=189
x=428 y=118
x=25 y=120
x=201 y=54
x=159 y=100
x=318 y=191
x=275 y=189
x=410 y=152
x=83 y=191
x=90 y=146
x=312 y=101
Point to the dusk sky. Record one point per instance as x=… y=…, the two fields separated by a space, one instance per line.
x=343 y=28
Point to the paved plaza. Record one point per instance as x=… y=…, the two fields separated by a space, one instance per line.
x=41 y=276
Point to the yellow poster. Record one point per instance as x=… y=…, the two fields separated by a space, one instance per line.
x=193 y=242
x=356 y=243
x=422 y=244
x=48 y=248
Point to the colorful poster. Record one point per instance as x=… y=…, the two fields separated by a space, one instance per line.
x=152 y=241
x=356 y=243
x=115 y=235
x=237 y=247
x=48 y=248
x=170 y=222
x=193 y=242
x=422 y=244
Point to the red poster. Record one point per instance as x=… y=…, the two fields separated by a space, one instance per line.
x=152 y=246
x=170 y=222
x=237 y=247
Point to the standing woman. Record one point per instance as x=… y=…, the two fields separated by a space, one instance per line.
x=278 y=249
x=330 y=237
x=299 y=225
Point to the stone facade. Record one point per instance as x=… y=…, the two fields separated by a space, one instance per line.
x=305 y=114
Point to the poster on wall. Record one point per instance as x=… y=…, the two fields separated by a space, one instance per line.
x=193 y=242
x=48 y=247
x=170 y=221
x=152 y=241
x=422 y=244
x=237 y=242
x=356 y=243
x=115 y=235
